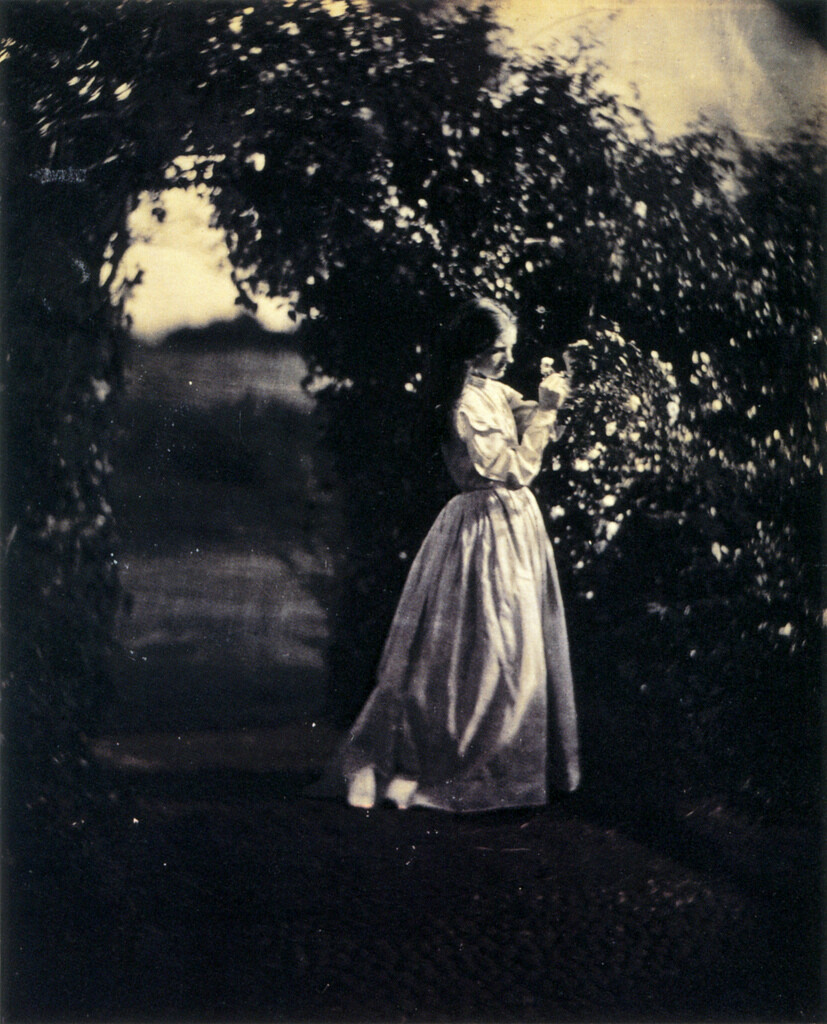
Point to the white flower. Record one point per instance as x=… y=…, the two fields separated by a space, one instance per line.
x=256 y=161
x=611 y=428
x=716 y=551
x=673 y=411
x=101 y=389
x=640 y=209
x=608 y=500
x=557 y=512
x=581 y=465
x=633 y=403
x=786 y=630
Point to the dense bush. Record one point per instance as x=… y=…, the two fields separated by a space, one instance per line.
x=689 y=557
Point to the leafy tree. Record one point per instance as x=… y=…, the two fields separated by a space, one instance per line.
x=88 y=124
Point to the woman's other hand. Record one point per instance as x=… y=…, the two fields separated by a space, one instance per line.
x=554 y=390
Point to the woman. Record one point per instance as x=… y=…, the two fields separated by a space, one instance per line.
x=474 y=707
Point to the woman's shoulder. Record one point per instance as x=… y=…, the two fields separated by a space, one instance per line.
x=477 y=393
x=481 y=402
x=478 y=387
x=499 y=393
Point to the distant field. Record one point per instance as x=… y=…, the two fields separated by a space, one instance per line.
x=230 y=537
x=202 y=381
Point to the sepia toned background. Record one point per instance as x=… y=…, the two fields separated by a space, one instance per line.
x=232 y=233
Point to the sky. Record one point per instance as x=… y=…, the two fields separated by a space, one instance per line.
x=740 y=62
x=186 y=279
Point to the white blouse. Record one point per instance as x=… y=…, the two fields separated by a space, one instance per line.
x=497 y=436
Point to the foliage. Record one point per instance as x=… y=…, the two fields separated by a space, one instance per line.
x=81 y=139
x=385 y=162
x=534 y=189
x=695 y=608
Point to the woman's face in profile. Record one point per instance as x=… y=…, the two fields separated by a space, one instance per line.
x=496 y=360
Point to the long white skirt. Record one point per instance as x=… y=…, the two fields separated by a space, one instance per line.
x=474 y=704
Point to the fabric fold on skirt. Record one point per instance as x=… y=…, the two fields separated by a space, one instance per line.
x=474 y=698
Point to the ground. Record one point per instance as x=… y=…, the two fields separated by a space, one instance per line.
x=229 y=894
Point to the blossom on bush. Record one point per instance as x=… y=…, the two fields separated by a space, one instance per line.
x=713 y=524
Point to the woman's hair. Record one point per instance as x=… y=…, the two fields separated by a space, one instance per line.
x=474 y=329
x=478 y=325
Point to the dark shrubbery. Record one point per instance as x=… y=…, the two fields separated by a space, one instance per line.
x=689 y=558
x=61 y=586
x=77 y=154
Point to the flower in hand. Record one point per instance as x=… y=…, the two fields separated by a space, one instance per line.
x=546 y=366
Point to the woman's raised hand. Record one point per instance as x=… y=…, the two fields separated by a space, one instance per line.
x=554 y=390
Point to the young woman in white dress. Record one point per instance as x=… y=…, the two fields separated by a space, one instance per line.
x=474 y=707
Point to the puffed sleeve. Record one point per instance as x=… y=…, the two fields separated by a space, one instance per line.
x=493 y=453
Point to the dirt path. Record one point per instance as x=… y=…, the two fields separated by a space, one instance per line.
x=238 y=638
